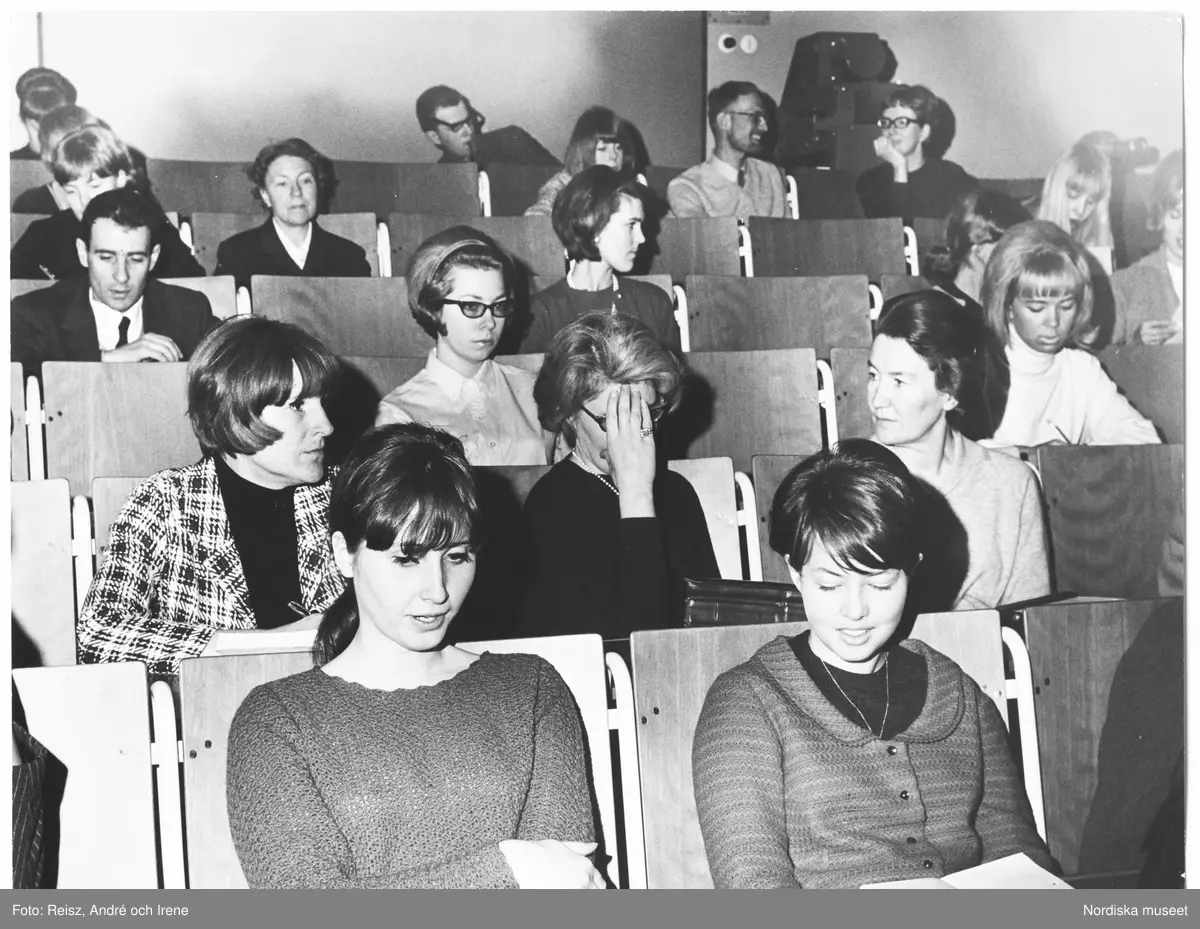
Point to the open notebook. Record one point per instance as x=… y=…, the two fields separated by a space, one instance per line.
x=1016 y=872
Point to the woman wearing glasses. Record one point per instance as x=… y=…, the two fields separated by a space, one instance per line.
x=612 y=533
x=914 y=179
x=460 y=291
x=598 y=218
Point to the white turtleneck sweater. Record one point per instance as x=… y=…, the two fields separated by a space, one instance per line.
x=1066 y=398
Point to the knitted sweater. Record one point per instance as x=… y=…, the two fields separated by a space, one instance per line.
x=791 y=793
x=1141 y=293
x=332 y=784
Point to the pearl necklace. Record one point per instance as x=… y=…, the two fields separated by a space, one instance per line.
x=887 y=690
x=591 y=470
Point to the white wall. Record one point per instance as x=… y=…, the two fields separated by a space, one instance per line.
x=1023 y=86
x=22 y=55
x=220 y=85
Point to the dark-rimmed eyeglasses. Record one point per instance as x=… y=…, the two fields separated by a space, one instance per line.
x=656 y=413
x=473 y=309
x=757 y=116
x=474 y=119
x=900 y=122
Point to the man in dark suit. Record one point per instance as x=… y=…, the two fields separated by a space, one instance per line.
x=455 y=128
x=115 y=312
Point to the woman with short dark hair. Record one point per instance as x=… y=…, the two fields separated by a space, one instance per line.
x=600 y=137
x=460 y=285
x=800 y=753
x=598 y=218
x=399 y=761
x=202 y=556
x=613 y=536
x=936 y=381
x=294 y=182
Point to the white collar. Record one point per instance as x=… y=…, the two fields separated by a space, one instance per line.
x=725 y=169
x=108 y=321
x=451 y=381
x=298 y=253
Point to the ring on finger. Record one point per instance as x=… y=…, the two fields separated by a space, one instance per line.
x=647 y=432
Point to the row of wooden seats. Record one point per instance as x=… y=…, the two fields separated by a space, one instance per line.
x=1099 y=736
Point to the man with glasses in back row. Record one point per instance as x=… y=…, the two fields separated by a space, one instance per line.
x=456 y=129
x=733 y=181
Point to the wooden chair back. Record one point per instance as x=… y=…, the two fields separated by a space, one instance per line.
x=209 y=230
x=190 y=187
x=95 y=721
x=893 y=285
x=752 y=313
x=514 y=188
x=680 y=247
x=114 y=419
x=849 y=366
x=43 y=574
x=24 y=174
x=211 y=690
x=19 y=442
x=661 y=281
x=817 y=247
x=356 y=316
x=1151 y=376
x=1110 y=721
x=768 y=473
x=1109 y=509
x=221 y=292
x=672 y=672
x=826 y=194
x=19 y=222
x=738 y=403
x=436 y=189
x=712 y=479
x=108 y=497
x=930 y=233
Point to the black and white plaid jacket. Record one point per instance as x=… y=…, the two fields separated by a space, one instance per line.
x=173 y=576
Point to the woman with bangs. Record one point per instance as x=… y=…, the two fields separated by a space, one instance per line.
x=206 y=559
x=600 y=137
x=1075 y=197
x=1037 y=296
x=844 y=756
x=399 y=761
x=1149 y=294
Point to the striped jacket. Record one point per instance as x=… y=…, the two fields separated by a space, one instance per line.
x=173 y=576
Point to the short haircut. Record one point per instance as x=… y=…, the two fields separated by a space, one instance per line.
x=859 y=500
x=1081 y=168
x=979 y=218
x=583 y=208
x=243 y=366
x=1036 y=259
x=93 y=151
x=925 y=104
x=720 y=98
x=434 y=99
x=597 y=124
x=1166 y=191
x=431 y=271
x=322 y=168
x=125 y=207
x=57 y=125
x=596 y=350
x=964 y=355
x=402 y=481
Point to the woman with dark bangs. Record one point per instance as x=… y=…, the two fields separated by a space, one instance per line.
x=1037 y=296
x=841 y=757
x=399 y=761
x=236 y=545
x=600 y=137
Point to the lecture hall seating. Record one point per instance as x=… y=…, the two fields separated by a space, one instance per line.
x=1151 y=376
x=43 y=586
x=209 y=230
x=514 y=188
x=680 y=247
x=807 y=248
x=18 y=444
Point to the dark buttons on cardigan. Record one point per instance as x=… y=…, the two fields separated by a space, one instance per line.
x=904 y=795
x=911 y=841
x=927 y=864
x=892 y=749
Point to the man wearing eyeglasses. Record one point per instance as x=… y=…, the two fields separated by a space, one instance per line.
x=456 y=129
x=913 y=179
x=733 y=181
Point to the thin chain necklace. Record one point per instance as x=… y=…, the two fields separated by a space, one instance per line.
x=590 y=470
x=887 y=690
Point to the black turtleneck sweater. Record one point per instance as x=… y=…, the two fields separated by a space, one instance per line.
x=263 y=523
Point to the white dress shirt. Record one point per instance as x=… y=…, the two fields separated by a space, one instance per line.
x=108 y=322
x=493 y=413
x=298 y=253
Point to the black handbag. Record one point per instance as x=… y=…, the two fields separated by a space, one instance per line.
x=740 y=603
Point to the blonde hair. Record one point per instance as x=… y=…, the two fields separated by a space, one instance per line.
x=1082 y=166
x=1036 y=259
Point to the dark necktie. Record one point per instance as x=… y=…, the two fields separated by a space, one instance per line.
x=741 y=177
x=123 y=332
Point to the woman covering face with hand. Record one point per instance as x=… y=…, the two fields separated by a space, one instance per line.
x=842 y=757
x=612 y=534
x=399 y=761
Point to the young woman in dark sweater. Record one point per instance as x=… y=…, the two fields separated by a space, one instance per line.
x=612 y=535
x=840 y=757
x=400 y=762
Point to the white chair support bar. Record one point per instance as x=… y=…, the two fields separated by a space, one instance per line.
x=485 y=194
x=827 y=400
x=383 y=244
x=875 y=301
x=165 y=755
x=35 y=430
x=244 y=305
x=910 y=251
x=681 y=316
x=624 y=719
x=1020 y=688
x=747 y=517
x=745 y=250
x=83 y=548
x=793 y=198
x=185 y=236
